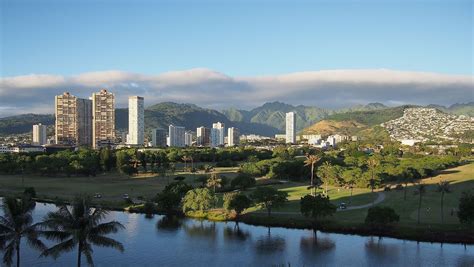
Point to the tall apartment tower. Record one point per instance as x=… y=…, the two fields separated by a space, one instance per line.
x=158 y=137
x=73 y=120
x=176 y=136
x=233 y=136
x=290 y=128
x=217 y=134
x=103 y=118
x=39 y=134
x=188 y=138
x=136 y=120
x=203 y=135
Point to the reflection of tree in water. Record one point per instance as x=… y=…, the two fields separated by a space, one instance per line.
x=314 y=244
x=201 y=229
x=376 y=248
x=234 y=233
x=270 y=244
x=169 y=223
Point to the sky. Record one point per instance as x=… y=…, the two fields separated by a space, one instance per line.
x=251 y=45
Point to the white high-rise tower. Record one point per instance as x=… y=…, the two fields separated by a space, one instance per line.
x=290 y=128
x=39 y=134
x=136 y=120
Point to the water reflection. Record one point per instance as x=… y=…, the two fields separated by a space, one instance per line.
x=169 y=223
x=200 y=229
x=235 y=233
x=270 y=244
x=314 y=244
x=376 y=249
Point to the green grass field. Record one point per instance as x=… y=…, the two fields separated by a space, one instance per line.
x=111 y=186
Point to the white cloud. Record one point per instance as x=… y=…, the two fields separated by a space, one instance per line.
x=328 y=88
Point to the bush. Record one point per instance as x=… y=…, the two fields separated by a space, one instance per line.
x=199 y=199
x=466 y=208
x=30 y=191
x=243 y=181
x=380 y=217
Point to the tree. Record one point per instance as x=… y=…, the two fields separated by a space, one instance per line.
x=443 y=188
x=311 y=160
x=15 y=224
x=243 y=181
x=466 y=208
x=170 y=198
x=106 y=159
x=316 y=207
x=372 y=163
x=214 y=181
x=79 y=226
x=199 y=199
x=239 y=203
x=269 y=198
x=420 y=190
x=380 y=217
x=327 y=174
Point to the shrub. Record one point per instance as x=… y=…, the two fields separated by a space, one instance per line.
x=466 y=208
x=380 y=217
x=30 y=191
x=199 y=199
x=243 y=181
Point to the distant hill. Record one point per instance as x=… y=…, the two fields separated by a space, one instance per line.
x=355 y=122
x=23 y=123
x=273 y=114
x=329 y=127
x=190 y=116
x=267 y=119
x=457 y=109
x=370 y=117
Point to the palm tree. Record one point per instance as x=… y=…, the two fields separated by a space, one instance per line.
x=443 y=187
x=311 y=160
x=15 y=224
x=79 y=226
x=372 y=164
x=185 y=158
x=420 y=190
x=214 y=181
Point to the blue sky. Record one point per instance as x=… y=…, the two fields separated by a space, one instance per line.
x=239 y=38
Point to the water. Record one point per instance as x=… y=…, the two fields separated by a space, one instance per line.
x=161 y=241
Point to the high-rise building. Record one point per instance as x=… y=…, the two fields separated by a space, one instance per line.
x=290 y=128
x=233 y=136
x=217 y=134
x=136 y=120
x=158 y=137
x=176 y=136
x=39 y=134
x=103 y=118
x=188 y=138
x=203 y=136
x=73 y=120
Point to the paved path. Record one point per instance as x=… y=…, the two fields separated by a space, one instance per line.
x=380 y=198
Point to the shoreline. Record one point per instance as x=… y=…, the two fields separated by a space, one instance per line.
x=461 y=235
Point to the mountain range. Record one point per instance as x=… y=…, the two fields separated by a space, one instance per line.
x=267 y=119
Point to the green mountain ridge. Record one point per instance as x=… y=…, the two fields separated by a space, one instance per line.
x=267 y=119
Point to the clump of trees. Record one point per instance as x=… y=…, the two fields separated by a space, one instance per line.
x=316 y=207
x=466 y=208
x=269 y=198
x=199 y=199
x=381 y=217
x=169 y=200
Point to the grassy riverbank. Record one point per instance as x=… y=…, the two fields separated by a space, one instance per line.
x=113 y=185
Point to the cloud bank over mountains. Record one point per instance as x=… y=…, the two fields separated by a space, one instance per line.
x=329 y=88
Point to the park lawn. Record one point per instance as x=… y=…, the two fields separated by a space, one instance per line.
x=111 y=185
x=461 y=178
